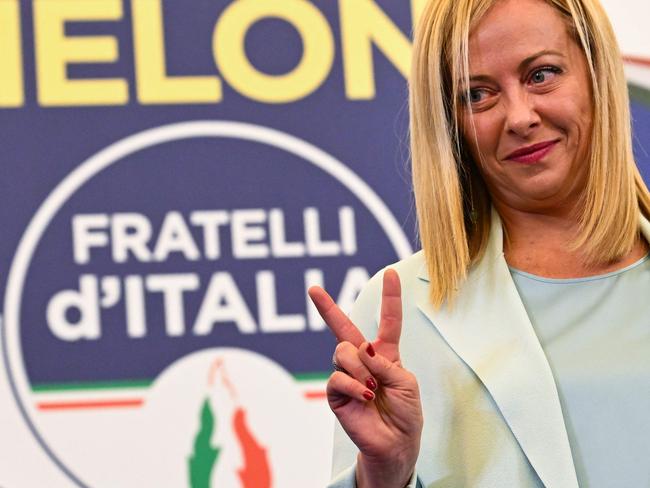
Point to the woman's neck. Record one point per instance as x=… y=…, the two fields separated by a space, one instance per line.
x=540 y=244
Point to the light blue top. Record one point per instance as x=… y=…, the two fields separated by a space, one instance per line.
x=595 y=333
x=492 y=413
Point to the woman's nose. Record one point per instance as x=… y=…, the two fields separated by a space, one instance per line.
x=521 y=114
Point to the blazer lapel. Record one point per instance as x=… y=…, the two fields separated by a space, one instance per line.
x=489 y=329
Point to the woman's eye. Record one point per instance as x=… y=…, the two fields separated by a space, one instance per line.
x=542 y=75
x=476 y=96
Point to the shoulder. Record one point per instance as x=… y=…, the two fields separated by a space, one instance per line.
x=411 y=270
x=412 y=274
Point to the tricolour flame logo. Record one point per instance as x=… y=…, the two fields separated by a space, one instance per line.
x=256 y=472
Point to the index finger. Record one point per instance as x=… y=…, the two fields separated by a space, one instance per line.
x=390 y=321
x=339 y=323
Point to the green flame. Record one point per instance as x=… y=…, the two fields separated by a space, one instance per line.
x=204 y=457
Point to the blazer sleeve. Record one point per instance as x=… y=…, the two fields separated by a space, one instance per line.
x=365 y=315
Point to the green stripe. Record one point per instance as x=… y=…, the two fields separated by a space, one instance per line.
x=315 y=376
x=122 y=384
x=639 y=94
x=94 y=385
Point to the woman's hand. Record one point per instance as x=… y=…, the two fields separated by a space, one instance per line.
x=376 y=400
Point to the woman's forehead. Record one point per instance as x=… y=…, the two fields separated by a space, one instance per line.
x=514 y=30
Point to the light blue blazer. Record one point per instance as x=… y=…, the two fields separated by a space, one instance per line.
x=492 y=416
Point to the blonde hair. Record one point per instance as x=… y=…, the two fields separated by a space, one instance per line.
x=452 y=201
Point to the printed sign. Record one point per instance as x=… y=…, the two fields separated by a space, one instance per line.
x=123 y=291
x=176 y=175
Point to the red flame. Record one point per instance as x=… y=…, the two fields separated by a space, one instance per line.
x=256 y=472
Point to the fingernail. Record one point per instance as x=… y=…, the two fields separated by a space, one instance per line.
x=368 y=395
x=371 y=383
x=371 y=351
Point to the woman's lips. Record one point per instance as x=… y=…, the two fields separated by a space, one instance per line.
x=532 y=154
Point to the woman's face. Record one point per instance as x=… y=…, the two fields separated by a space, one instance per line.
x=529 y=125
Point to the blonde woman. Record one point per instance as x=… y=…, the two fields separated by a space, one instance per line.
x=513 y=350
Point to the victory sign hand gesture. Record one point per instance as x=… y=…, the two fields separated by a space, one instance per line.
x=376 y=401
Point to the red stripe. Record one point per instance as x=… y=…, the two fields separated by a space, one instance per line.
x=637 y=60
x=136 y=402
x=315 y=395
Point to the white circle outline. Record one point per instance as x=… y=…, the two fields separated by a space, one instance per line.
x=116 y=152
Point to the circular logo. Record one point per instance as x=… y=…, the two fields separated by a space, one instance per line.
x=156 y=315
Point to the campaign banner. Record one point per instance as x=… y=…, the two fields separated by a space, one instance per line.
x=175 y=176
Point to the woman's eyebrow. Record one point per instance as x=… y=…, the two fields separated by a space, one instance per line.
x=530 y=59
x=480 y=78
x=522 y=66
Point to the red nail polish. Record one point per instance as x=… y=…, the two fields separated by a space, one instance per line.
x=368 y=395
x=371 y=383
x=371 y=351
